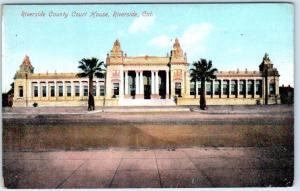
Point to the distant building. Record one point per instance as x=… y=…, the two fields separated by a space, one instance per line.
x=7 y=100
x=146 y=80
x=286 y=94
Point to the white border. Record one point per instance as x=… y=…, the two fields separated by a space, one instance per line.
x=296 y=78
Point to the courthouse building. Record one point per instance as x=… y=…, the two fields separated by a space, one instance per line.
x=146 y=80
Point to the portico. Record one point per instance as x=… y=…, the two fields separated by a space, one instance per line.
x=145 y=77
x=145 y=84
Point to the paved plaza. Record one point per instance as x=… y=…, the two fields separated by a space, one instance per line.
x=123 y=168
x=250 y=114
x=160 y=167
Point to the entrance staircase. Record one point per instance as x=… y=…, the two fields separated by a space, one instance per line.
x=146 y=102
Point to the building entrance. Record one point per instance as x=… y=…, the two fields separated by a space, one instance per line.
x=147 y=84
x=162 y=84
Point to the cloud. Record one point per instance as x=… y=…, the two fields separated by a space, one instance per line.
x=192 y=39
x=162 y=41
x=173 y=27
x=141 y=24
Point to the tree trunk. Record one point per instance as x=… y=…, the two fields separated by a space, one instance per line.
x=91 y=104
x=202 y=96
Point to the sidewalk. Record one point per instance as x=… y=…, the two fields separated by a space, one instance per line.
x=212 y=109
x=83 y=110
x=123 y=168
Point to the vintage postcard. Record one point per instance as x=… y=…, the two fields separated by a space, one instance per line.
x=148 y=95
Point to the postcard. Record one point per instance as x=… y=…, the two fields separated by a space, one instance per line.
x=148 y=95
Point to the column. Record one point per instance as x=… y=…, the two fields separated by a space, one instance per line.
x=246 y=86
x=29 y=93
x=156 y=83
x=126 y=82
x=268 y=87
x=152 y=83
x=221 y=88
x=47 y=88
x=97 y=89
x=254 y=88
x=167 y=83
x=39 y=88
x=238 y=87
x=55 y=88
x=121 y=91
x=212 y=88
x=72 y=89
x=196 y=90
x=229 y=87
x=141 y=83
x=80 y=88
x=64 y=88
x=137 y=86
x=277 y=86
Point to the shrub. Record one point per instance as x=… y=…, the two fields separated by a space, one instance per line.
x=35 y=104
x=258 y=102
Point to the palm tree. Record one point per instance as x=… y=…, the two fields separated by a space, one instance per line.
x=90 y=68
x=203 y=71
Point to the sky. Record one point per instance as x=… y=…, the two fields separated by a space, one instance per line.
x=233 y=36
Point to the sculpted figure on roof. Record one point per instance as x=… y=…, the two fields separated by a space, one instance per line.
x=116 y=50
x=25 y=68
x=177 y=50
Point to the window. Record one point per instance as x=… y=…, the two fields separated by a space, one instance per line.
x=225 y=87
x=208 y=88
x=115 y=89
x=69 y=91
x=272 y=89
x=20 y=91
x=217 y=88
x=242 y=87
x=85 y=90
x=258 y=87
x=178 y=89
x=131 y=80
x=192 y=88
x=250 y=87
x=233 y=87
x=60 y=91
x=77 y=90
x=44 y=91
x=94 y=90
x=52 y=91
x=102 y=90
x=35 y=91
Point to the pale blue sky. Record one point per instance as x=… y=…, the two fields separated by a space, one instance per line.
x=231 y=35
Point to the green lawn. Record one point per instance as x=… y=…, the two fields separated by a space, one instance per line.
x=78 y=136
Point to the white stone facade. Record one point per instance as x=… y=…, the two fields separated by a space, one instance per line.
x=146 y=78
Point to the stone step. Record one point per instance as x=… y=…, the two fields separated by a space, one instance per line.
x=146 y=102
x=145 y=109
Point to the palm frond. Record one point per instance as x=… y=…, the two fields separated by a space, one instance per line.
x=91 y=67
x=202 y=70
x=81 y=75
